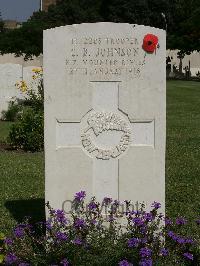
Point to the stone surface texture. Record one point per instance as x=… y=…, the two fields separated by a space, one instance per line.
x=105 y=108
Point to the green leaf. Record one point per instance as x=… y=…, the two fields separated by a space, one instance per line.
x=2 y=258
x=2 y=236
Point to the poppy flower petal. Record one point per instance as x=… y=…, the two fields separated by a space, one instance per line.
x=150 y=42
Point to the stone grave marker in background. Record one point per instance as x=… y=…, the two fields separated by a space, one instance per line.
x=9 y=75
x=105 y=110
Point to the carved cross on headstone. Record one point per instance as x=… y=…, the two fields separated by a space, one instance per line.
x=105 y=108
x=105 y=133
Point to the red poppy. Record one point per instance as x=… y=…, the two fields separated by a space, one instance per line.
x=150 y=42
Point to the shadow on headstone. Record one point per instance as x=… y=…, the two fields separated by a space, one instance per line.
x=34 y=208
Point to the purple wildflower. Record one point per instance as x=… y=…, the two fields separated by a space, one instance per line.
x=60 y=216
x=11 y=258
x=79 y=223
x=137 y=221
x=107 y=201
x=156 y=205
x=24 y=264
x=188 y=256
x=133 y=242
x=175 y=237
x=80 y=195
x=145 y=252
x=171 y=234
x=92 y=205
x=61 y=236
x=64 y=262
x=137 y=212
x=180 y=240
x=144 y=240
x=148 y=217
x=124 y=263
x=181 y=221
x=164 y=252
x=143 y=229
x=146 y=262
x=19 y=232
x=189 y=241
x=78 y=241
x=48 y=224
x=167 y=221
x=8 y=241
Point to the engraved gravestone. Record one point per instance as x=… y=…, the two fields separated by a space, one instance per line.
x=9 y=75
x=105 y=112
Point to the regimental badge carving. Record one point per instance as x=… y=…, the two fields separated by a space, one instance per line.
x=101 y=123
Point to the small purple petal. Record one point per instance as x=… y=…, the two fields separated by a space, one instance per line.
x=60 y=216
x=124 y=263
x=80 y=195
x=78 y=241
x=146 y=262
x=64 y=262
x=168 y=221
x=8 y=241
x=107 y=201
x=181 y=221
x=79 y=223
x=145 y=252
x=133 y=242
x=188 y=255
x=61 y=236
x=19 y=231
x=156 y=205
x=137 y=221
x=92 y=205
x=164 y=252
x=11 y=258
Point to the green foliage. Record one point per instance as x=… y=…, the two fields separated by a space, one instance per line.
x=12 y=113
x=184 y=31
x=28 y=132
x=28 y=38
x=1 y=25
x=2 y=248
x=180 y=17
x=4 y=130
x=183 y=149
x=146 y=12
x=22 y=186
x=92 y=234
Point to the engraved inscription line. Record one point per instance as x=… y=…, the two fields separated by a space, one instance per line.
x=105 y=56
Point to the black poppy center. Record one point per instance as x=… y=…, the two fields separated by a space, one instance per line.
x=150 y=42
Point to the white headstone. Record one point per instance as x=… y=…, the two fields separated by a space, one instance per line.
x=105 y=110
x=10 y=74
